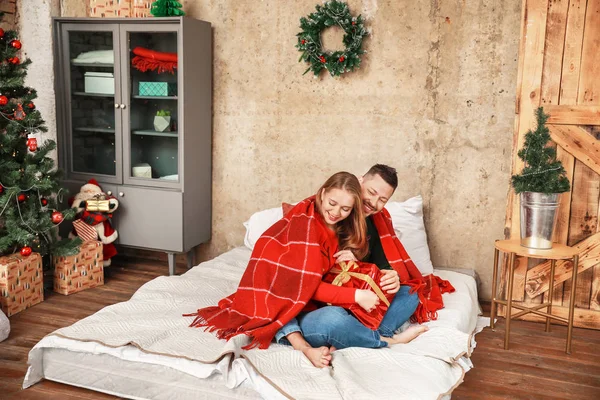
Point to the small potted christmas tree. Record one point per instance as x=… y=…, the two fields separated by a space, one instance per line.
x=539 y=185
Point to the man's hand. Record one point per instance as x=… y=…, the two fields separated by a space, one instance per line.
x=366 y=299
x=390 y=282
x=344 y=255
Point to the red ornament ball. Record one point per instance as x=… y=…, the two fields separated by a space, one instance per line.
x=1 y=189
x=22 y=197
x=16 y=44
x=14 y=60
x=44 y=202
x=342 y=59
x=26 y=251
x=322 y=59
x=3 y=100
x=303 y=41
x=1 y=32
x=57 y=217
x=353 y=22
x=31 y=106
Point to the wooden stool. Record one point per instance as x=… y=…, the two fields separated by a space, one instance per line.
x=557 y=252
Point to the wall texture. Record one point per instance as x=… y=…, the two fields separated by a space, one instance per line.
x=35 y=32
x=434 y=98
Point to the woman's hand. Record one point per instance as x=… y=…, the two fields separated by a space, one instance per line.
x=366 y=299
x=390 y=281
x=344 y=255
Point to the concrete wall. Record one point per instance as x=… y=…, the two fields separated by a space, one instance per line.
x=35 y=33
x=434 y=98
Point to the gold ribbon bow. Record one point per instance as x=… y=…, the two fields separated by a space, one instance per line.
x=97 y=204
x=345 y=273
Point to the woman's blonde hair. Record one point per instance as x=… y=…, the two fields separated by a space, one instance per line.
x=351 y=231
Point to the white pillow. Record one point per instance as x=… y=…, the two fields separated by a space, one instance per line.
x=4 y=326
x=407 y=218
x=258 y=223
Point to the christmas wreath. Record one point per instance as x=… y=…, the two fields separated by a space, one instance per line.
x=309 y=39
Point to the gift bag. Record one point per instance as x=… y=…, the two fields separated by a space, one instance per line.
x=363 y=276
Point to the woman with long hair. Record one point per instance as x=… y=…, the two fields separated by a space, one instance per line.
x=287 y=265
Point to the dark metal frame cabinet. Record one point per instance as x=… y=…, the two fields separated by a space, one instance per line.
x=170 y=213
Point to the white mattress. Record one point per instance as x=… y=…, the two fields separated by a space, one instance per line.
x=133 y=373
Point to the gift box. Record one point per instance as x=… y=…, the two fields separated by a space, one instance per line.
x=21 y=282
x=85 y=270
x=141 y=8
x=363 y=276
x=120 y=8
x=97 y=205
x=158 y=89
x=110 y=8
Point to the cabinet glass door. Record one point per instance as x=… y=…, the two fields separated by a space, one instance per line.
x=93 y=114
x=152 y=140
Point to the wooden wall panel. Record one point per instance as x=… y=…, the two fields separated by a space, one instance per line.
x=589 y=94
x=529 y=81
x=570 y=91
x=584 y=221
x=568 y=96
x=556 y=27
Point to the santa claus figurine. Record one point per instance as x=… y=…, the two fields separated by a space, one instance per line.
x=94 y=210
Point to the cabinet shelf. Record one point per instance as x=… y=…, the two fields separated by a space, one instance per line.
x=92 y=129
x=93 y=94
x=155 y=133
x=101 y=65
x=155 y=97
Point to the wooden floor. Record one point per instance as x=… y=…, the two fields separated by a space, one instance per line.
x=535 y=367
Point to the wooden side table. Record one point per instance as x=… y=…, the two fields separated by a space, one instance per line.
x=557 y=252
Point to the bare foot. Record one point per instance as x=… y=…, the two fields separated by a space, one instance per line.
x=320 y=357
x=332 y=349
x=407 y=336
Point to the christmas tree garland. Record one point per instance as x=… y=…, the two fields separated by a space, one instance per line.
x=309 y=39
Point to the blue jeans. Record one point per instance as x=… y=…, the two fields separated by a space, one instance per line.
x=336 y=326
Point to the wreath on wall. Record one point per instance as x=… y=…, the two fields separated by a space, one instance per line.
x=331 y=13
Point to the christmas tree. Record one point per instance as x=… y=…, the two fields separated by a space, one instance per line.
x=542 y=172
x=166 y=8
x=29 y=181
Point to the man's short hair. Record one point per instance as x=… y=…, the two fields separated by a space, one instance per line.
x=387 y=173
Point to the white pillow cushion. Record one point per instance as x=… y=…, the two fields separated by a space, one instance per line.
x=407 y=218
x=258 y=223
x=4 y=326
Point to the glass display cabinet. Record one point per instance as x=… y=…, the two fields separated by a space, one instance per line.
x=134 y=111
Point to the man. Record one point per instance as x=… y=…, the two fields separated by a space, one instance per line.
x=321 y=331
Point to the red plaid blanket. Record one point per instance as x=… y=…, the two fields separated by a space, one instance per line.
x=429 y=287
x=285 y=269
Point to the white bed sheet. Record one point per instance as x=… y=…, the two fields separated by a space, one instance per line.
x=458 y=320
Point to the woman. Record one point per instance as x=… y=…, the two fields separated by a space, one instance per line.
x=288 y=263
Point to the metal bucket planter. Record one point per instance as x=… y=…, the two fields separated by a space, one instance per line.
x=538 y=218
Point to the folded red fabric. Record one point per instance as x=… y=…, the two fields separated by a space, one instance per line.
x=150 y=60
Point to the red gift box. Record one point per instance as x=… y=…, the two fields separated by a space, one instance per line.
x=361 y=276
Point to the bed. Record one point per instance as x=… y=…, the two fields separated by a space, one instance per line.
x=143 y=349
